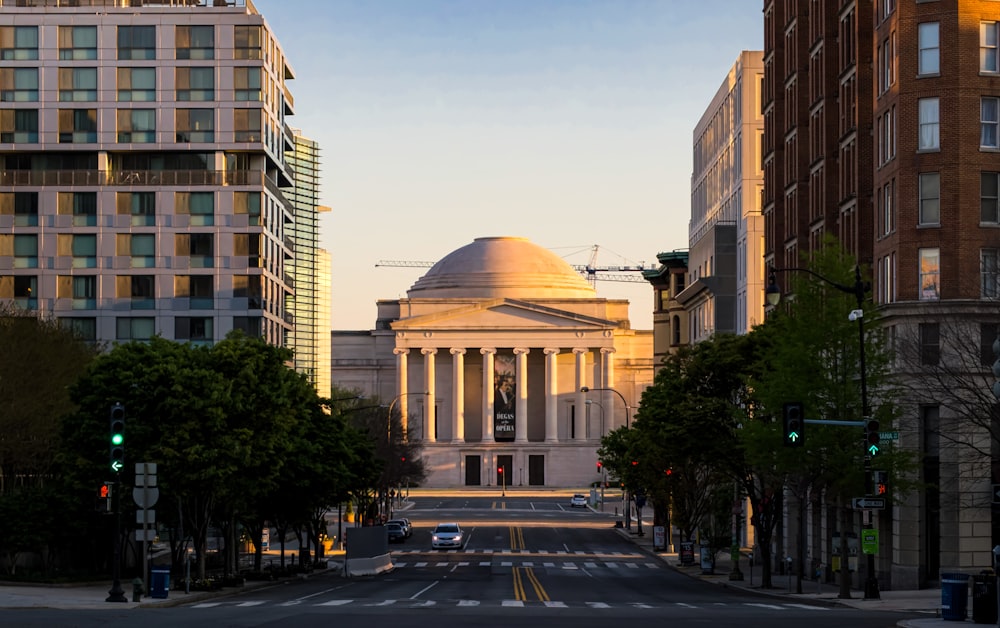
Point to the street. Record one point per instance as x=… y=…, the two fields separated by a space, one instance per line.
x=531 y=560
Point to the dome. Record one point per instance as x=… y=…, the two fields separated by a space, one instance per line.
x=502 y=267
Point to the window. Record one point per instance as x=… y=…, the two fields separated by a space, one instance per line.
x=988 y=270
x=18 y=126
x=929 y=184
x=195 y=42
x=82 y=206
x=194 y=329
x=21 y=289
x=81 y=290
x=23 y=206
x=18 y=43
x=249 y=325
x=930 y=344
x=140 y=247
x=889 y=207
x=140 y=205
x=887 y=136
x=136 y=84
x=137 y=328
x=136 y=42
x=988 y=122
x=195 y=125
x=930 y=274
x=247 y=125
x=25 y=251
x=247 y=203
x=988 y=193
x=887 y=62
x=246 y=81
x=929 y=125
x=988 y=57
x=247 y=44
x=887 y=279
x=18 y=84
x=200 y=206
x=77 y=42
x=202 y=246
x=136 y=126
x=247 y=244
x=195 y=84
x=988 y=333
x=140 y=290
x=81 y=247
x=77 y=126
x=929 y=45
x=249 y=288
x=77 y=84
x=84 y=328
x=198 y=289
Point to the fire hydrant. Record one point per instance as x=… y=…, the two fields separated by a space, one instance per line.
x=137 y=590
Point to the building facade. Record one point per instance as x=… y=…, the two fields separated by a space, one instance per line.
x=486 y=359
x=143 y=149
x=725 y=260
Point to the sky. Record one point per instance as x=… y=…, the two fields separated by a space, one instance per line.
x=567 y=122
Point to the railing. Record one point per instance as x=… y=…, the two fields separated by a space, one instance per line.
x=64 y=178
x=127 y=3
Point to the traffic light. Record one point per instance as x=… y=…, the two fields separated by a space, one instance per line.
x=872 y=437
x=881 y=481
x=793 y=422
x=104 y=498
x=117 y=437
x=598 y=466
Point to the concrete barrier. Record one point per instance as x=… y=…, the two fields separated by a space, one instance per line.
x=367 y=566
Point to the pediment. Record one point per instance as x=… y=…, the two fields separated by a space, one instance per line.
x=500 y=314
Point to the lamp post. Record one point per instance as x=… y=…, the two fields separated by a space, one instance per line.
x=392 y=404
x=628 y=412
x=859 y=289
x=603 y=472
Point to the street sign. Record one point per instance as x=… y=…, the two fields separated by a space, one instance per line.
x=145 y=497
x=145 y=535
x=862 y=503
x=869 y=541
x=888 y=435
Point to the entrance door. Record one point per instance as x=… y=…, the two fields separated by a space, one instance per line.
x=536 y=470
x=507 y=464
x=472 y=475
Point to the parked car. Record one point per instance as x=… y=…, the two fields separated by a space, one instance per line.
x=447 y=535
x=578 y=501
x=395 y=532
x=405 y=523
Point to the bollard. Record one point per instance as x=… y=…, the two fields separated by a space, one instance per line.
x=137 y=590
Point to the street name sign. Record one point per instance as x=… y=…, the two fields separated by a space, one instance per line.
x=862 y=503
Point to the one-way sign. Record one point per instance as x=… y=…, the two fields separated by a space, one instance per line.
x=873 y=503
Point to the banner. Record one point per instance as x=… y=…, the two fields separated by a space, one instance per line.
x=503 y=397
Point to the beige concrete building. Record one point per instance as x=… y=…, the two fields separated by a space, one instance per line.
x=486 y=358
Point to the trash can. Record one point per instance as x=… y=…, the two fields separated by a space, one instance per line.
x=984 y=599
x=954 y=596
x=159 y=583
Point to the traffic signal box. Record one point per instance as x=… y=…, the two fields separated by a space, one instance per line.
x=880 y=479
x=872 y=437
x=117 y=437
x=793 y=421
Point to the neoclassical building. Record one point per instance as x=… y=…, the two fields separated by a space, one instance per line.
x=486 y=358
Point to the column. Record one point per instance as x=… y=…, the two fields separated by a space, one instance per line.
x=458 y=395
x=551 y=396
x=580 y=414
x=431 y=394
x=608 y=398
x=521 y=401
x=401 y=385
x=488 y=353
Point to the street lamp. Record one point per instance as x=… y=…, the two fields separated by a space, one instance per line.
x=392 y=404
x=859 y=289
x=628 y=412
x=604 y=482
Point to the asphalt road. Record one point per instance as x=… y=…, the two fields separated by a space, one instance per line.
x=530 y=561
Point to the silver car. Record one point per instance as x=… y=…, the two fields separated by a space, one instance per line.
x=447 y=535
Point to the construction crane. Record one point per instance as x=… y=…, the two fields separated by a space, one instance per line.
x=591 y=272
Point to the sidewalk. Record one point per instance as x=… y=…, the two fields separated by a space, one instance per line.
x=924 y=601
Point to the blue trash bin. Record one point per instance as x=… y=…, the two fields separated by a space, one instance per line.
x=159 y=583
x=954 y=596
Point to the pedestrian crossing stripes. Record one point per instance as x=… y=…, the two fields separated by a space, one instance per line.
x=568 y=565
x=413 y=604
x=520 y=552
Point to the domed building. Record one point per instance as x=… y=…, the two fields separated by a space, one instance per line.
x=486 y=359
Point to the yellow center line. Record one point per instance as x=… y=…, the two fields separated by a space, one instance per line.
x=539 y=589
x=518 y=585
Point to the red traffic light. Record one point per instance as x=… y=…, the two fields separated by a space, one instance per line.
x=499 y=469
x=668 y=472
x=598 y=465
x=105 y=491
x=635 y=462
x=402 y=458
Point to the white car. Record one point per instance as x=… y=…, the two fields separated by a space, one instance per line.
x=578 y=501
x=447 y=535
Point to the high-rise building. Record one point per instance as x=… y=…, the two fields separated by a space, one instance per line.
x=881 y=129
x=725 y=291
x=309 y=334
x=143 y=149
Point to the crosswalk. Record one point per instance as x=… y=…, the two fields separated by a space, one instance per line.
x=565 y=565
x=415 y=604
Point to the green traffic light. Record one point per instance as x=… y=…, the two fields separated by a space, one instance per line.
x=117 y=439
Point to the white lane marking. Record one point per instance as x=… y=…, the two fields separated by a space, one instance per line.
x=206 y=605
x=258 y=603
x=383 y=603
x=758 y=605
x=808 y=607
x=468 y=602
x=598 y=605
x=590 y=565
x=555 y=604
x=518 y=603
x=335 y=603
x=422 y=591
